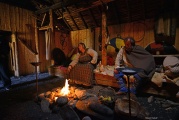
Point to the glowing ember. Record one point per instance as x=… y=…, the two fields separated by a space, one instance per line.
x=65 y=90
x=56 y=99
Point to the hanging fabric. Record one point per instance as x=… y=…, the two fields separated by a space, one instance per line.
x=14 y=55
x=48 y=39
x=160 y=26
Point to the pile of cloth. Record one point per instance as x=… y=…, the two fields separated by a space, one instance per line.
x=171 y=66
x=169 y=73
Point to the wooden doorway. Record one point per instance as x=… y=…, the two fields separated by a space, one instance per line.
x=10 y=39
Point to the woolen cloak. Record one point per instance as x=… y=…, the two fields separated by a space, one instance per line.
x=142 y=59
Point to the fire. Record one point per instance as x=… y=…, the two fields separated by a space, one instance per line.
x=65 y=90
x=56 y=99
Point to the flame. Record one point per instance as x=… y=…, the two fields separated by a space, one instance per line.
x=56 y=99
x=65 y=90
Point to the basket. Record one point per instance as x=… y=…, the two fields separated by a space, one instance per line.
x=57 y=71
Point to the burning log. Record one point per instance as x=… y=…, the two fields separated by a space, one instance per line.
x=81 y=94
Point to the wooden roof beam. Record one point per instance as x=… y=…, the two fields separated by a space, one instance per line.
x=44 y=27
x=57 y=6
x=91 y=13
x=43 y=19
x=50 y=24
x=60 y=16
x=71 y=18
x=82 y=18
x=65 y=4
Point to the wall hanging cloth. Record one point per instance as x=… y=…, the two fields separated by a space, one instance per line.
x=48 y=39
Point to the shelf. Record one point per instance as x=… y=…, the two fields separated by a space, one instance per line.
x=176 y=55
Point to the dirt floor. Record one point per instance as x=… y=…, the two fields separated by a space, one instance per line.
x=19 y=103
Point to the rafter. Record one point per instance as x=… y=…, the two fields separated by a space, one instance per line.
x=65 y=4
x=93 y=18
x=85 y=24
x=57 y=6
x=71 y=18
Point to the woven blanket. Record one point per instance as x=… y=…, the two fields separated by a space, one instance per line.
x=82 y=74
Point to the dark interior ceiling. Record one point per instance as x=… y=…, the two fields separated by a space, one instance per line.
x=83 y=14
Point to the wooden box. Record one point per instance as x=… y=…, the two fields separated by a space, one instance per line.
x=106 y=80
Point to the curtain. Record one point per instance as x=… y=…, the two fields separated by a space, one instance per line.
x=48 y=41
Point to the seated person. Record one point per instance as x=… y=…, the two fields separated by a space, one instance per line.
x=134 y=56
x=81 y=68
x=85 y=55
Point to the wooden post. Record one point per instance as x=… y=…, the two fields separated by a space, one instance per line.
x=177 y=39
x=52 y=29
x=104 y=39
x=37 y=45
x=51 y=20
x=51 y=25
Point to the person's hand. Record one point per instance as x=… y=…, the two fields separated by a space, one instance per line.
x=69 y=68
x=91 y=63
x=132 y=79
x=125 y=77
x=167 y=68
x=166 y=79
x=115 y=71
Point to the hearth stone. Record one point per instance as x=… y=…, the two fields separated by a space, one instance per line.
x=68 y=113
x=63 y=100
x=86 y=118
x=122 y=108
x=45 y=106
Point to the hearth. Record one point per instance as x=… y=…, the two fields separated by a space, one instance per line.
x=97 y=102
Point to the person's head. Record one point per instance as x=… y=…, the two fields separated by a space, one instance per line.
x=129 y=44
x=81 y=47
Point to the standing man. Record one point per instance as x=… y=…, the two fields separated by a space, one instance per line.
x=4 y=62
